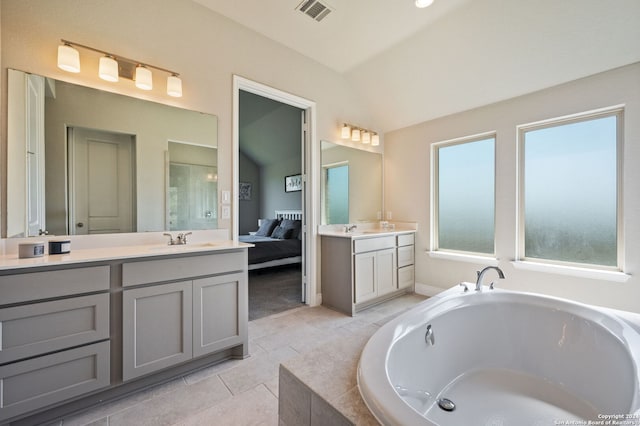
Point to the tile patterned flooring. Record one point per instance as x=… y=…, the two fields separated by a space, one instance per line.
x=245 y=392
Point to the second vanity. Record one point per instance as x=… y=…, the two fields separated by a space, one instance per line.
x=361 y=268
x=81 y=328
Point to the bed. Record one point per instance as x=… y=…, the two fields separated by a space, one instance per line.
x=276 y=247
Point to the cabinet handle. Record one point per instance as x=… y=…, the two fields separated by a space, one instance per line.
x=80 y=224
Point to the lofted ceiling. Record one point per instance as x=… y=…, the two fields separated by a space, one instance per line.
x=412 y=65
x=354 y=30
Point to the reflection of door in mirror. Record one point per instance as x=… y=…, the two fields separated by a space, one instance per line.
x=101 y=182
x=25 y=151
x=192 y=187
x=336 y=193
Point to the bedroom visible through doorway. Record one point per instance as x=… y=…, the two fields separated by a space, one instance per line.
x=271 y=201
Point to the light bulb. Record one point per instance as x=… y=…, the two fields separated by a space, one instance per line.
x=346 y=132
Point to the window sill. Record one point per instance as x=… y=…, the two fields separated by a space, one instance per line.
x=596 y=274
x=464 y=257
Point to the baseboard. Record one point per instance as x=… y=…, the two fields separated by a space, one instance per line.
x=428 y=290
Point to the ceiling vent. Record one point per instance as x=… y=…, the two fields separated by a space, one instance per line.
x=314 y=9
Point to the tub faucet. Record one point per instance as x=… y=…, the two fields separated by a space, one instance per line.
x=181 y=239
x=481 y=275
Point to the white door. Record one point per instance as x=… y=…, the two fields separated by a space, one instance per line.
x=101 y=182
x=25 y=153
x=35 y=155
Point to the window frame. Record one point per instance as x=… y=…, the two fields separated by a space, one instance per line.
x=435 y=249
x=613 y=111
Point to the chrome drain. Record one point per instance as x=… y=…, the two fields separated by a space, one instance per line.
x=446 y=404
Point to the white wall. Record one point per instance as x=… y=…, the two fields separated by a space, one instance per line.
x=407 y=184
x=204 y=47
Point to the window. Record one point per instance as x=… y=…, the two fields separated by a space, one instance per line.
x=569 y=202
x=464 y=176
x=336 y=194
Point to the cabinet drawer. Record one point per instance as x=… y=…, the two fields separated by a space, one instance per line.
x=38 y=328
x=405 y=256
x=371 y=244
x=406 y=239
x=150 y=271
x=33 y=286
x=406 y=276
x=46 y=380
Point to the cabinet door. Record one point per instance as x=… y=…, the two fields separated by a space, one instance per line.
x=364 y=276
x=219 y=304
x=156 y=328
x=386 y=271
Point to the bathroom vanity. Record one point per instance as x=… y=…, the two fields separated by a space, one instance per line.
x=93 y=324
x=364 y=267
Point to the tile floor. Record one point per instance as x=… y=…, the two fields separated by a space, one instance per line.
x=245 y=392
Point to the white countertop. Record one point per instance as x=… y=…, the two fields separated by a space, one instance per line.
x=11 y=261
x=365 y=233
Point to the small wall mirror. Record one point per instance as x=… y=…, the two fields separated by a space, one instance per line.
x=97 y=161
x=351 y=187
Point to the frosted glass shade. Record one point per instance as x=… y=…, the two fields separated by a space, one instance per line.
x=366 y=137
x=108 y=69
x=355 y=135
x=174 y=86
x=346 y=132
x=375 y=139
x=68 y=58
x=143 y=78
x=423 y=3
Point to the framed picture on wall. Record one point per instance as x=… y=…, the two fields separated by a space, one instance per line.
x=245 y=191
x=293 y=183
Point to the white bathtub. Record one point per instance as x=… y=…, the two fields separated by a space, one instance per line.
x=503 y=358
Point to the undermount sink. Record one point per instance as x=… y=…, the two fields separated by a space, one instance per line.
x=183 y=247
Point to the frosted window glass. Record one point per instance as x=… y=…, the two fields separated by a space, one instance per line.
x=570 y=192
x=466 y=196
x=337 y=195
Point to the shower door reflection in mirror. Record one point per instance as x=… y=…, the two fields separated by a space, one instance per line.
x=192 y=187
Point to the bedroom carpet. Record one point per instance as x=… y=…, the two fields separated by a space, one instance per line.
x=274 y=290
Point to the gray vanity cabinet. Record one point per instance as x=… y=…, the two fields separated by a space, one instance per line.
x=360 y=271
x=53 y=337
x=406 y=260
x=156 y=330
x=165 y=324
x=217 y=306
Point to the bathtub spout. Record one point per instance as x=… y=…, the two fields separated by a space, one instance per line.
x=429 y=338
x=481 y=275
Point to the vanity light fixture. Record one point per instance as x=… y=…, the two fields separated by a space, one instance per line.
x=359 y=134
x=108 y=69
x=68 y=58
x=355 y=135
x=144 y=79
x=112 y=67
x=346 y=131
x=423 y=3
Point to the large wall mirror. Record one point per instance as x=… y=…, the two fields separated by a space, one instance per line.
x=86 y=161
x=351 y=188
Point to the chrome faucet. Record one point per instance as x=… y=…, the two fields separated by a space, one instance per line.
x=481 y=275
x=181 y=239
x=429 y=338
x=349 y=228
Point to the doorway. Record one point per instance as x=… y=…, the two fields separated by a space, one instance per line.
x=101 y=182
x=310 y=185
